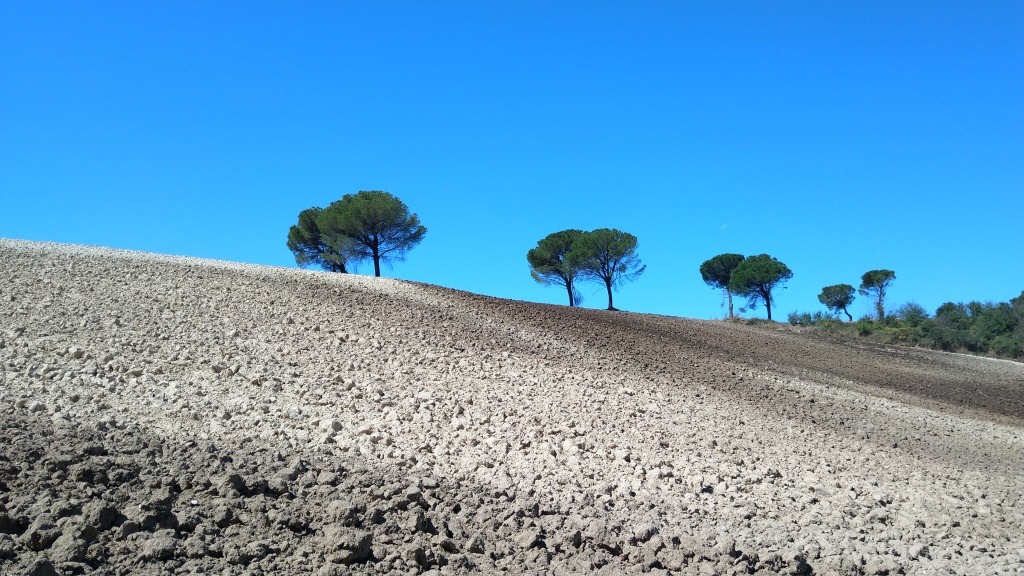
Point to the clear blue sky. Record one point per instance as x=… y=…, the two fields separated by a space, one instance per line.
x=838 y=137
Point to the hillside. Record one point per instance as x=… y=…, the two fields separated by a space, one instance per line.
x=168 y=415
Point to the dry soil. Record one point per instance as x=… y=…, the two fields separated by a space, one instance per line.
x=164 y=415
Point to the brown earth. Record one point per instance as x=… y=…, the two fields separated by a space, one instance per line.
x=170 y=415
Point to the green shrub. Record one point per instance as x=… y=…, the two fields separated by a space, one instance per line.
x=940 y=337
x=1007 y=346
x=830 y=323
x=912 y=313
x=865 y=326
x=971 y=341
x=807 y=319
x=993 y=320
x=902 y=334
x=891 y=320
x=953 y=315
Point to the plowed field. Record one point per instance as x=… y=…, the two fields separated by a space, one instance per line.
x=166 y=415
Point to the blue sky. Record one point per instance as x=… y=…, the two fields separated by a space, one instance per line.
x=837 y=137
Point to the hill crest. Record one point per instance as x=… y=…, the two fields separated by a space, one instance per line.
x=343 y=423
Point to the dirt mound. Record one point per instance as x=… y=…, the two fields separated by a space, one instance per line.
x=167 y=415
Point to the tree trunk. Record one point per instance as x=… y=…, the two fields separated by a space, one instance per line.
x=729 y=294
x=766 y=294
x=373 y=243
x=608 y=285
x=568 y=286
x=848 y=315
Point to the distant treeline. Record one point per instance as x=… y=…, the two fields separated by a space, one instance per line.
x=995 y=329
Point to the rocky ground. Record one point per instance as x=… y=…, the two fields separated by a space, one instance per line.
x=164 y=415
